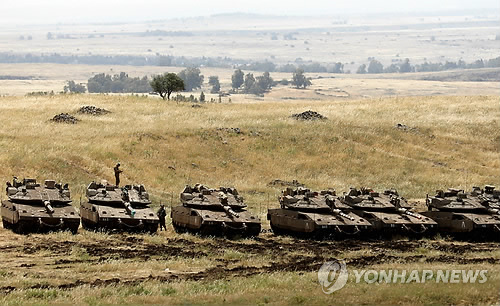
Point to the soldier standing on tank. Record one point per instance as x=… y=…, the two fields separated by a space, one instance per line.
x=161 y=215
x=117 y=174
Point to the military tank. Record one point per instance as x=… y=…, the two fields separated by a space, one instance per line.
x=314 y=214
x=111 y=208
x=214 y=212
x=488 y=196
x=464 y=215
x=388 y=213
x=32 y=207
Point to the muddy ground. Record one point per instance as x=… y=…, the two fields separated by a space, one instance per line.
x=60 y=260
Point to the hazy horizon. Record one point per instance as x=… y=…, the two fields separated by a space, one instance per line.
x=60 y=11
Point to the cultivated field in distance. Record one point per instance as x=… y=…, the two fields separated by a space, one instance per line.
x=230 y=40
x=277 y=39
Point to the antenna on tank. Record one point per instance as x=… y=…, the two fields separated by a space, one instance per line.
x=466 y=177
x=260 y=208
x=268 y=201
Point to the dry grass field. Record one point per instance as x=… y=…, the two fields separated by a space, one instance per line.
x=453 y=140
x=166 y=145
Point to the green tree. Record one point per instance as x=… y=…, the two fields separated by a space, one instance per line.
x=249 y=82
x=406 y=66
x=100 y=83
x=476 y=64
x=299 y=79
x=375 y=67
x=337 y=67
x=237 y=79
x=393 y=68
x=118 y=83
x=265 y=81
x=361 y=69
x=202 y=97
x=214 y=82
x=166 y=84
x=192 y=78
x=73 y=87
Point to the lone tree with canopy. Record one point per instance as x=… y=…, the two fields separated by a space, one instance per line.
x=237 y=79
x=299 y=79
x=166 y=84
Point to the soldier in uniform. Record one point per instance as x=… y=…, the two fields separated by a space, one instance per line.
x=161 y=215
x=117 y=174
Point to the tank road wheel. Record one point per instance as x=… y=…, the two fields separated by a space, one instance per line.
x=89 y=227
x=252 y=232
x=151 y=229
x=74 y=229
x=178 y=229
x=276 y=230
x=19 y=228
x=6 y=224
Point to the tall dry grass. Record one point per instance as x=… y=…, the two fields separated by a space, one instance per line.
x=166 y=145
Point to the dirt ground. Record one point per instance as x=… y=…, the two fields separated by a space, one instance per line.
x=54 y=260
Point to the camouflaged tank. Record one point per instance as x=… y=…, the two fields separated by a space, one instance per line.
x=489 y=197
x=214 y=212
x=465 y=215
x=388 y=213
x=112 y=208
x=35 y=208
x=314 y=214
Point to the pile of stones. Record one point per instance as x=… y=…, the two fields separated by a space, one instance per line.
x=308 y=115
x=406 y=128
x=92 y=110
x=231 y=130
x=65 y=118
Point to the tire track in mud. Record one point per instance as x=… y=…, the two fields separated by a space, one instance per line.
x=294 y=264
x=287 y=255
x=136 y=248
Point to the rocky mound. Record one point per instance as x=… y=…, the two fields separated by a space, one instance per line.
x=308 y=115
x=231 y=130
x=406 y=128
x=93 y=110
x=65 y=118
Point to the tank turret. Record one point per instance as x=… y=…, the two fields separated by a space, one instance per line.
x=314 y=214
x=469 y=215
x=112 y=208
x=489 y=196
x=388 y=212
x=213 y=212
x=32 y=207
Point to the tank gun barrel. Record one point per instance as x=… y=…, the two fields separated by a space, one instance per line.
x=340 y=213
x=405 y=211
x=129 y=208
x=493 y=211
x=229 y=211
x=224 y=203
x=48 y=207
